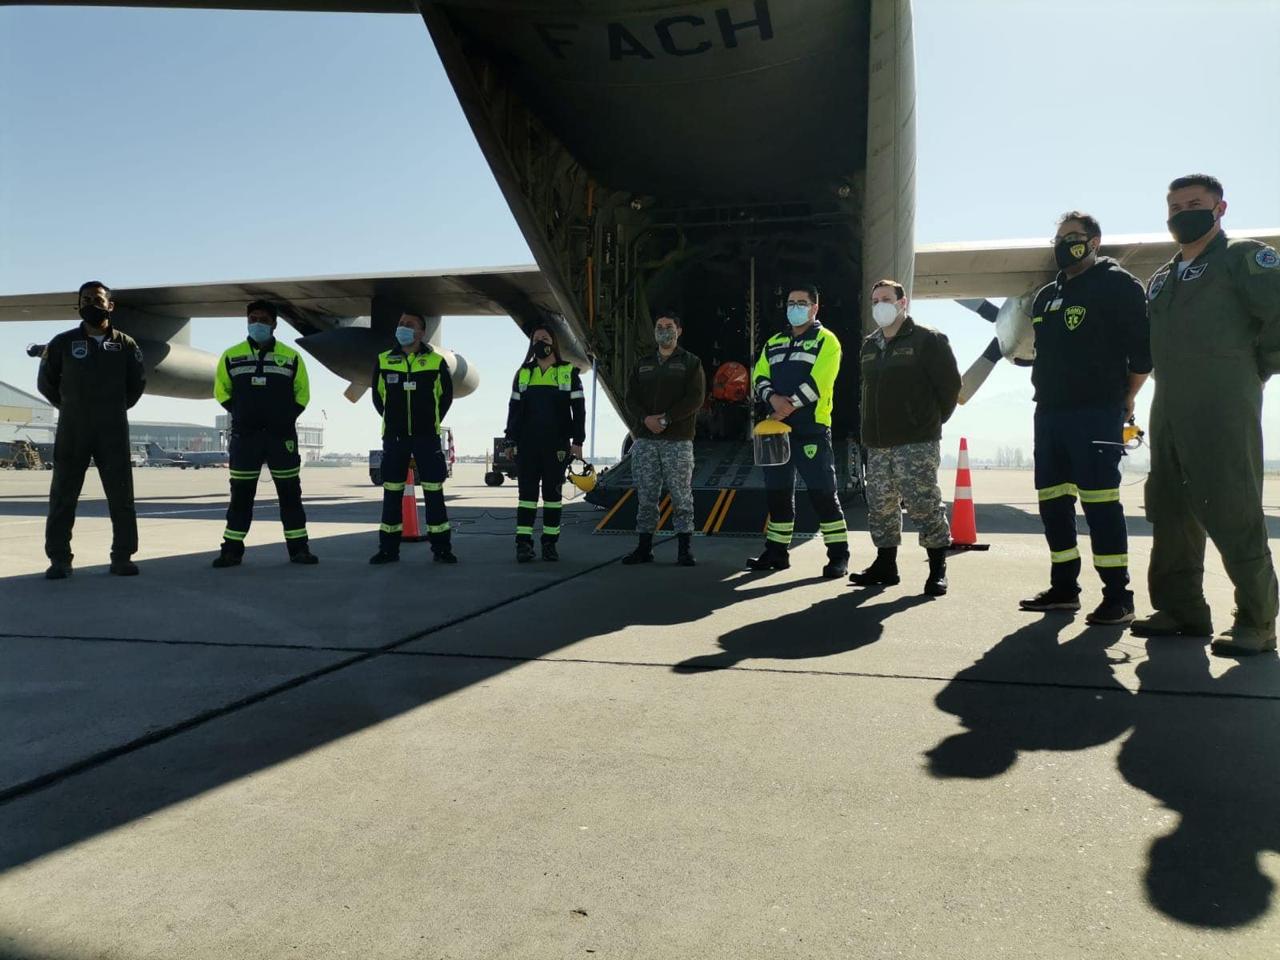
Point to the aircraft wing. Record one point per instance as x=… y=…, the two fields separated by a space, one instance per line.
x=314 y=304
x=1010 y=268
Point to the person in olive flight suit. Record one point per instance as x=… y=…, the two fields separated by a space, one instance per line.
x=1092 y=357
x=546 y=424
x=794 y=378
x=1215 y=339
x=262 y=383
x=92 y=375
x=412 y=390
x=910 y=386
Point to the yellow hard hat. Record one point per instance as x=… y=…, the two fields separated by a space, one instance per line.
x=585 y=478
x=769 y=427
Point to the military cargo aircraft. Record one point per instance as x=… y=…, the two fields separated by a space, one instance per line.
x=663 y=198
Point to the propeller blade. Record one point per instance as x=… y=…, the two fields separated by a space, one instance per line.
x=978 y=372
x=987 y=310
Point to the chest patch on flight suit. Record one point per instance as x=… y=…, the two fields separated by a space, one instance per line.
x=258 y=381
x=393 y=378
x=1191 y=273
x=79 y=349
x=1074 y=317
x=110 y=346
x=1157 y=284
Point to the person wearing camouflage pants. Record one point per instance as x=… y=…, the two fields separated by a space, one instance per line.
x=908 y=474
x=655 y=463
x=664 y=393
x=910 y=386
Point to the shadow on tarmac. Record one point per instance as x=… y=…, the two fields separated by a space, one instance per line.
x=1215 y=761
x=1212 y=758
x=836 y=625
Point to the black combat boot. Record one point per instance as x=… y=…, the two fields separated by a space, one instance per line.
x=775 y=557
x=643 y=553
x=685 y=557
x=524 y=551
x=936 y=583
x=549 y=551
x=883 y=571
x=229 y=556
x=837 y=561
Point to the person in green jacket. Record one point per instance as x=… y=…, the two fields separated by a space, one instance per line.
x=665 y=393
x=910 y=386
x=1215 y=339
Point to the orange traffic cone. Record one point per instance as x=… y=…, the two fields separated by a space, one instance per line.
x=410 y=530
x=964 y=525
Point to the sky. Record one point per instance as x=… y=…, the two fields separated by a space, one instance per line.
x=165 y=146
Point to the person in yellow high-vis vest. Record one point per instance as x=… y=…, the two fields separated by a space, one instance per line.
x=412 y=390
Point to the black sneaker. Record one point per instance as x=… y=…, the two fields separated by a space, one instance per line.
x=1111 y=613
x=58 y=571
x=1055 y=598
x=382 y=557
x=444 y=556
x=549 y=552
x=304 y=557
x=123 y=568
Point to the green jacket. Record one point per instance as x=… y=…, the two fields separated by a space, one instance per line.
x=1215 y=331
x=675 y=386
x=910 y=385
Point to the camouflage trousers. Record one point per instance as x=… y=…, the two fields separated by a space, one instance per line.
x=906 y=474
x=655 y=463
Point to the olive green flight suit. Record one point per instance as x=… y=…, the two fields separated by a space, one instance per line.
x=1215 y=338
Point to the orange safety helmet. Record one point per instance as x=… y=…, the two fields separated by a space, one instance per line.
x=731 y=382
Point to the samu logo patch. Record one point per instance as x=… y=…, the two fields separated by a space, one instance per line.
x=810 y=450
x=1074 y=317
x=289 y=445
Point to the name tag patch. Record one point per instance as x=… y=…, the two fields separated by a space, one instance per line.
x=411 y=385
x=393 y=378
x=111 y=346
x=258 y=381
x=1056 y=304
x=1191 y=273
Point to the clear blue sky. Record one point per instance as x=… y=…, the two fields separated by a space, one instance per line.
x=182 y=146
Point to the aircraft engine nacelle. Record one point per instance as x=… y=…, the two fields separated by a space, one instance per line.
x=350 y=352
x=178 y=370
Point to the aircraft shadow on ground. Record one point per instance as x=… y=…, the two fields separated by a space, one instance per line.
x=122 y=783
x=1212 y=758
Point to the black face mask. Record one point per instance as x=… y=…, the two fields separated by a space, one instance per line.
x=1070 y=252
x=94 y=315
x=1188 y=226
x=542 y=350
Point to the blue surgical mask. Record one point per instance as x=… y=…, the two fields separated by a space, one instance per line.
x=404 y=336
x=259 y=332
x=797 y=315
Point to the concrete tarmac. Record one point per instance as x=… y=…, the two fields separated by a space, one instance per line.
x=582 y=759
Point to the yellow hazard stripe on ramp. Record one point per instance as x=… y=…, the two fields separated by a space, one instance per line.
x=725 y=512
x=711 y=517
x=614 y=509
